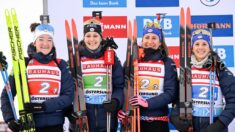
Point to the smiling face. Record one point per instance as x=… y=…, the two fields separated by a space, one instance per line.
x=200 y=49
x=44 y=44
x=151 y=40
x=92 y=40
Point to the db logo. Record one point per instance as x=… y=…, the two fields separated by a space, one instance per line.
x=209 y=2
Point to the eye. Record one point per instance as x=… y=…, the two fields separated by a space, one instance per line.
x=154 y=38
x=95 y=36
x=40 y=39
x=204 y=44
x=146 y=37
x=88 y=36
x=196 y=44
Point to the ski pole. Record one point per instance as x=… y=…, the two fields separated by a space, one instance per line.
x=212 y=86
x=119 y=127
x=211 y=96
x=5 y=77
x=212 y=74
x=109 y=61
x=8 y=89
x=136 y=85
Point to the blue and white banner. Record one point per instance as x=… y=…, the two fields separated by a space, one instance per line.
x=223 y=24
x=104 y=3
x=169 y=24
x=157 y=3
x=226 y=54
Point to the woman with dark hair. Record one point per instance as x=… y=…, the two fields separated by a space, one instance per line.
x=50 y=85
x=157 y=81
x=203 y=61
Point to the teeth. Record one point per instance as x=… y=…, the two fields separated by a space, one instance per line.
x=91 y=44
x=201 y=51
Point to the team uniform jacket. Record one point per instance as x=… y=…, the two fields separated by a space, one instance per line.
x=226 y=83
x=50 y=84
x=161 y=91
x=94 y=75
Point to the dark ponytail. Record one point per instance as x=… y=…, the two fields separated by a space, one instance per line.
x=33 y=26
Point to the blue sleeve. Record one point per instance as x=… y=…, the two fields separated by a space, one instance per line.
x=67 y=91
x=118 y=82
x=5 y=103
x=170 y=87
x=227 y=84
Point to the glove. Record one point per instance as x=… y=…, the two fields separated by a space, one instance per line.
x=121 y=115
x=111 y=106
x=110 y=43
x=217 y=126
x=34 y=107
x=181 y=125
x=138 y=101
x=3 y=62
x=14 y=126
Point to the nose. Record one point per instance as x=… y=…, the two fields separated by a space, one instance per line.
x=91 y=39
x=44 y=42
x=201 y=46
x=150 y=41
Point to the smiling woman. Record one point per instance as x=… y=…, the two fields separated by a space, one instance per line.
x=211 y=82
x=43 y=38
x=92 y=50
x=24 y=8
x=92 y=34
x=49 y=82
x=201 y=44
